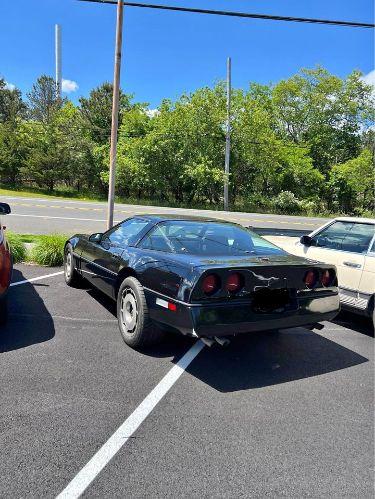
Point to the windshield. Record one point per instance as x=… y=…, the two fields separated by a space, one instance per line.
x=207 y=238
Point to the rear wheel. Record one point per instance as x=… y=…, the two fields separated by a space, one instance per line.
x=72 y=277
x=136 y=327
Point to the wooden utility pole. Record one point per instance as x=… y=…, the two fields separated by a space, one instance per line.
x=227 y=135
x=115 y=110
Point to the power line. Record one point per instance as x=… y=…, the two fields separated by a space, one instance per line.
x=246 y=15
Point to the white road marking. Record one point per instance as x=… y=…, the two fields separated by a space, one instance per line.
x=18 y=283
x=59 y=218
x=91 y=470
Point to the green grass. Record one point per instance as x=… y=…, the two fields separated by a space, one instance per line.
x=33 y=192
x=48 y=250
x=17 y=247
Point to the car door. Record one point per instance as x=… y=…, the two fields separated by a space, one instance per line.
x=344 y=244
x=367 y=283
x=102 y=260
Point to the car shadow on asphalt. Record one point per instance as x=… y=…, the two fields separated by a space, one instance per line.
x=356 y=322
x=29 y=321
x=254 y=360
x=264 y=359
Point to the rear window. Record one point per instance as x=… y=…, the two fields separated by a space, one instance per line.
x=207 y=238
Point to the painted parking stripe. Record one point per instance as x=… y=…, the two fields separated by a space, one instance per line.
x=18 y=283
x=96 y=464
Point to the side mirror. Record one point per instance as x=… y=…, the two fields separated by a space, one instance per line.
x=96 y=238
x=4 y=209
x=306 y=240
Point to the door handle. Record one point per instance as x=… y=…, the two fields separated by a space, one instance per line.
x=353 y=265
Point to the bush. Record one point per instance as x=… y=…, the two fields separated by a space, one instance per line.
x=49 y=250
x=17 y=246
x=286 y=202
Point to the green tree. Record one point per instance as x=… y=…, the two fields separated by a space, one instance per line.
x=352 y=184
x=12 y=106
x=325 y=112
x=97 y=112
x=44 y=100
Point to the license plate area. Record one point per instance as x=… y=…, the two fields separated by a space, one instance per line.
x=267 y=300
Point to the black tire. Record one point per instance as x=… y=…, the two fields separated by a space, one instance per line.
x=373 y=318
x=72 y=277
x=3 y=310
x=136 y=327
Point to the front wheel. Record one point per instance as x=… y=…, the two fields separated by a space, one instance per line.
x=72 y=277
x=136 y=327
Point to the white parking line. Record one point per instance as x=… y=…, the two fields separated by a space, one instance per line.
x=18 y=283
x=91 y=470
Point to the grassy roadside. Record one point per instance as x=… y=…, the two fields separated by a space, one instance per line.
x=73 y=195
x=47 y=250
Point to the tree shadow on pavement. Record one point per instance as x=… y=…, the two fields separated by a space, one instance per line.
x=29 y=321
x=265 y=359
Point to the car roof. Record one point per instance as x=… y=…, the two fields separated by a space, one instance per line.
x=356 y=220
x=166 y=217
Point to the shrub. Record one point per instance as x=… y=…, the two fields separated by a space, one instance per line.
x=286 y=202
x=17 y=246
x=49 y=250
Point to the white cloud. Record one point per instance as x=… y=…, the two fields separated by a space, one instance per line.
x=370 y=78
x=69 y=86
x=9 y=86
x=151 y=113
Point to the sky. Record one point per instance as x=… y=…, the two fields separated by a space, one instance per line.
x=166 y=53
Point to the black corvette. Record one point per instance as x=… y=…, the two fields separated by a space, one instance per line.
x=202 y=277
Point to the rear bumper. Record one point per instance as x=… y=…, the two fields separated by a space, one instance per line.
x=234 y=318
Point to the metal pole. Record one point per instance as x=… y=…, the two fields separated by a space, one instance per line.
x=58 y=77
x=227 y=137
x=115 y=109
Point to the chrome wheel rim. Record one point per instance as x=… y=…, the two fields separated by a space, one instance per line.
x=68 y=265
x=129 y=310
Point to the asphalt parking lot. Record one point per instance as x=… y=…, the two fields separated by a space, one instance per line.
x=272 y=415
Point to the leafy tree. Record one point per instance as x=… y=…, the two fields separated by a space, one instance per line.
x=317 y=108
x=352 y=184
x=13 y=152
x=97 y=112
x=44 y=100
x=11 y=105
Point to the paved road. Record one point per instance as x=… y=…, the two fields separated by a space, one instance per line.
x=287 y=415
x=41 y=216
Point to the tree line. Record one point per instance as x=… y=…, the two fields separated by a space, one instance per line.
x=303 y=145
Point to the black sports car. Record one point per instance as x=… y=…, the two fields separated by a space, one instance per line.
x=199 y=276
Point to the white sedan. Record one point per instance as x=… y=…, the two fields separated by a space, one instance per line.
x=348 y=243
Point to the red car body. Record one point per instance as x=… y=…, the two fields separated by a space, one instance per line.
x=5 y=264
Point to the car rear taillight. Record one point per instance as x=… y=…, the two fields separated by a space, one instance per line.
x=328 y=277
x=211 y=284
x=311 y=278
x=234 y=283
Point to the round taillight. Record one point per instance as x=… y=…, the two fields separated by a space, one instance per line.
x=234 y=282
x=211 y=284
x=328 y=277
x=311 y=278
